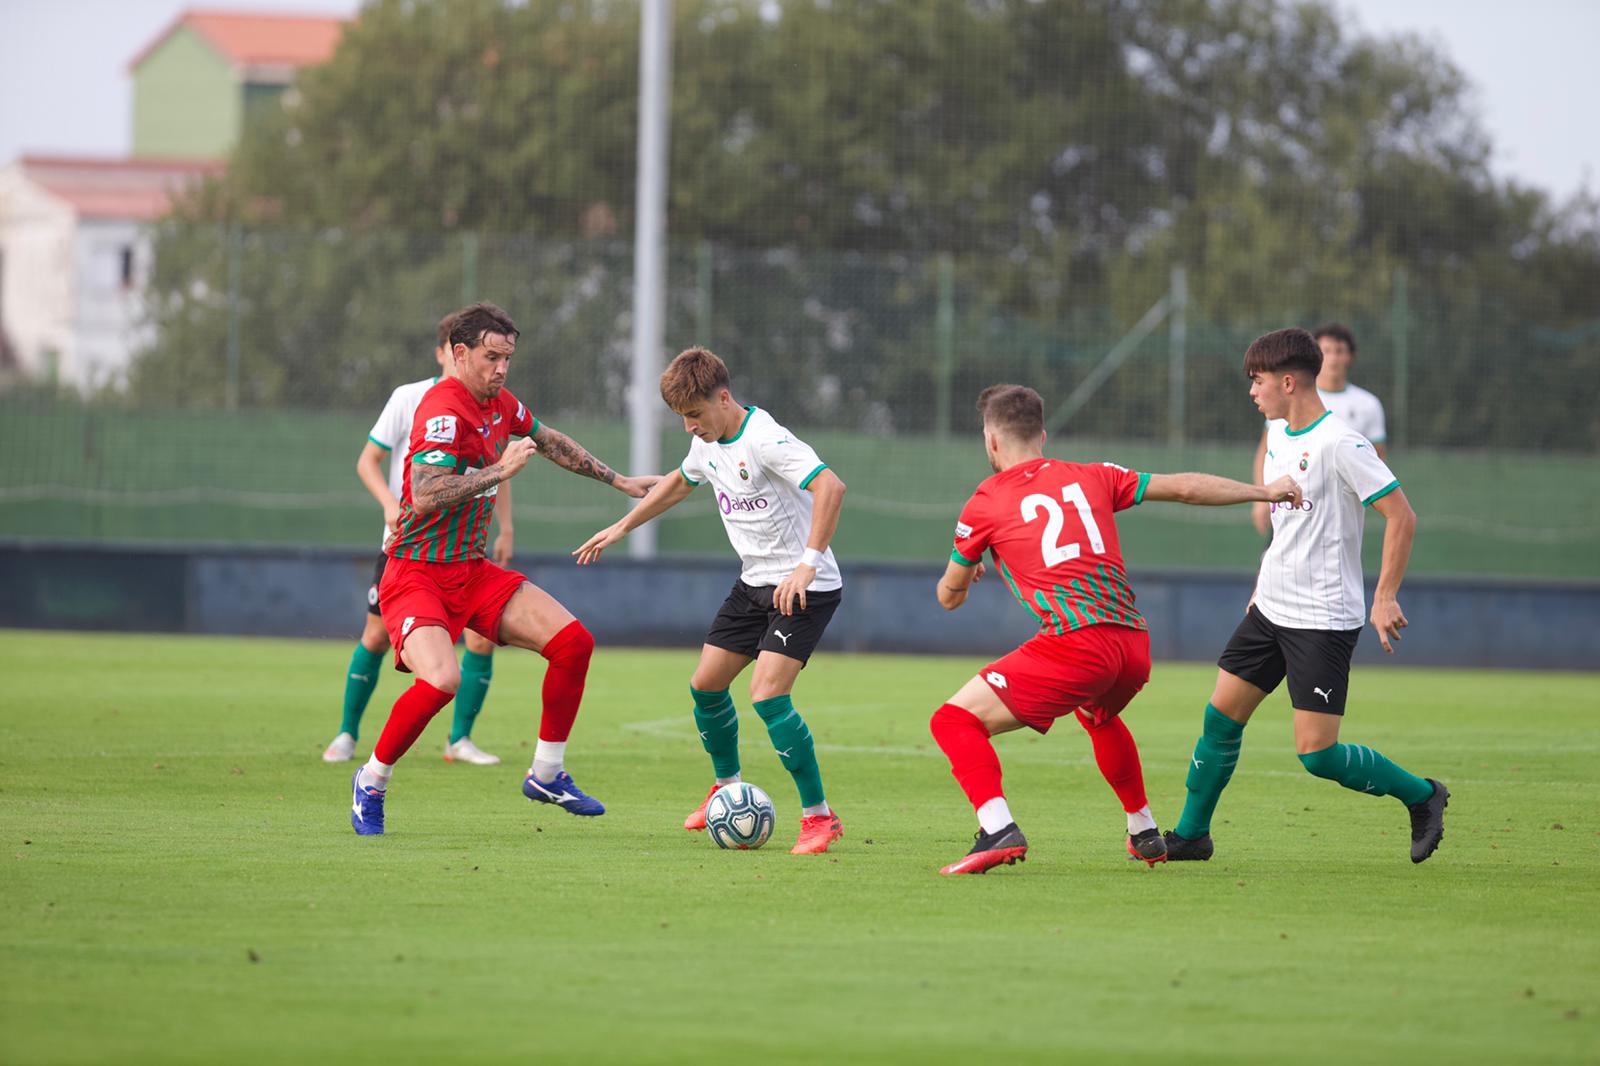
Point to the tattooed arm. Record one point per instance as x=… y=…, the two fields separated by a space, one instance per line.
x=565 y=452
x=434 y=488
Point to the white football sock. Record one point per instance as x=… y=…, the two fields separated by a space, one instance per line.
x=548 y=760
x=375 y=774
x=1140 y=820
x=813 y=811
x=994 y=815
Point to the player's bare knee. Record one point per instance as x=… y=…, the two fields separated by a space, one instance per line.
x=443 y=678
x=766 y=690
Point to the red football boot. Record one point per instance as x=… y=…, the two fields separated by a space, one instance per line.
x=989 y=850
x=697 y=820
x=817 y=831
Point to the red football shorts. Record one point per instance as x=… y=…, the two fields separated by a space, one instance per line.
x=466 y=595
x=1098 y=668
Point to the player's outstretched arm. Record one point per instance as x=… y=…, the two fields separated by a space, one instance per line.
x=435 y=487
x=957 y=581
x=828 y=491
x=1208 y=490
x=565 y=452
x=1400 y=531
x=667 y=492
x=369 y=468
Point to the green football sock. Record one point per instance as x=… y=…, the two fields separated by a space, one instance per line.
x=358 y=686
x=476 y=673
x=792 y=740
x=1215 y=755
x=718 y=723
x=1360 y=769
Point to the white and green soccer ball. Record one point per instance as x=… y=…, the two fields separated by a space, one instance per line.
x=739 y=816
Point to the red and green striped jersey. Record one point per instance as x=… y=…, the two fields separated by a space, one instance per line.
x=453 y=430
x=1049 y=526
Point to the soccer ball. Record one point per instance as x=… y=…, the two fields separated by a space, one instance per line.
x=739 y=816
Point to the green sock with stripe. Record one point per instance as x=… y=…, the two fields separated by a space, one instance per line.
x=718 y=723
x=1216 y=753
x=791 y=739
x=359 y=682
x=476 y=673
x=1360 y=769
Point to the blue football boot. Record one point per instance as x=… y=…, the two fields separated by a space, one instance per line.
x=366 y=808
x=564 y=793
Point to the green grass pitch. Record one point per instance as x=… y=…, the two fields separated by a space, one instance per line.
x=180 y=882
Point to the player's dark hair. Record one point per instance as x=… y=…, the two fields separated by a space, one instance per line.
x=1339 y=332
x=446 y=324
x=1284 y=351
x=1015 y=411
x=474 y=320
x=695 y=375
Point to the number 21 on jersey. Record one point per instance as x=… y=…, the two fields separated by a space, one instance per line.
x=1050 y=545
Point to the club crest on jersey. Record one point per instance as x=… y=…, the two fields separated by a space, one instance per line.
x=743 y=473
x=441 y=429
x=1305 y=460
x=497 y=418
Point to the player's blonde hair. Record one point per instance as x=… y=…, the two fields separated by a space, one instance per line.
x=695 y=375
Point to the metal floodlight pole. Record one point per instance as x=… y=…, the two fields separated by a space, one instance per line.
x=649 y=250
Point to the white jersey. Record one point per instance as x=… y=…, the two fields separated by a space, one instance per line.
x=392 y=431
x=1358 y=409
x=760 y=476
x=1311 y=574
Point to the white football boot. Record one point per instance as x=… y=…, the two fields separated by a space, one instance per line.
x=342 y=748
x=464 y=750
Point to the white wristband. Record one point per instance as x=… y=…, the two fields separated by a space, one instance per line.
x=812 y=558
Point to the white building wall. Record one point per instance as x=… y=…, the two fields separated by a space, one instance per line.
x=111 y=260
x=36 y=274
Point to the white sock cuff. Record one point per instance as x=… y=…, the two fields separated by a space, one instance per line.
x=994 y=815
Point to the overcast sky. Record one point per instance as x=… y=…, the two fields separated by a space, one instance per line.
x=64 y=84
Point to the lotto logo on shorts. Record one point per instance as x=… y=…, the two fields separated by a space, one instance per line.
x=441 y=429
x=995 y=678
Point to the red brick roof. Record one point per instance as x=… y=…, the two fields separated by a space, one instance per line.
x=97 y=187
x=257 y=40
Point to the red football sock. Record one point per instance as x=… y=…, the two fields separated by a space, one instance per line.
x=1118 y=758
x=965 y=742
x=412 y=712
x=568 y=652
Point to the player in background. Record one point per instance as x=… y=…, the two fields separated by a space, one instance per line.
x=438 y=581
x=780 y=507
x=389 y=437
x=1048 y=525
x=1305 y=615
x=1351 y=404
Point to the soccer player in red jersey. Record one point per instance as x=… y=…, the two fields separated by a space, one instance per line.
x=1048 y=525
x=438 y=581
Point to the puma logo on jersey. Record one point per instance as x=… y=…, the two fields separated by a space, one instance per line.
x=995 y=678
x=1323 y=694
x=782 y=636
